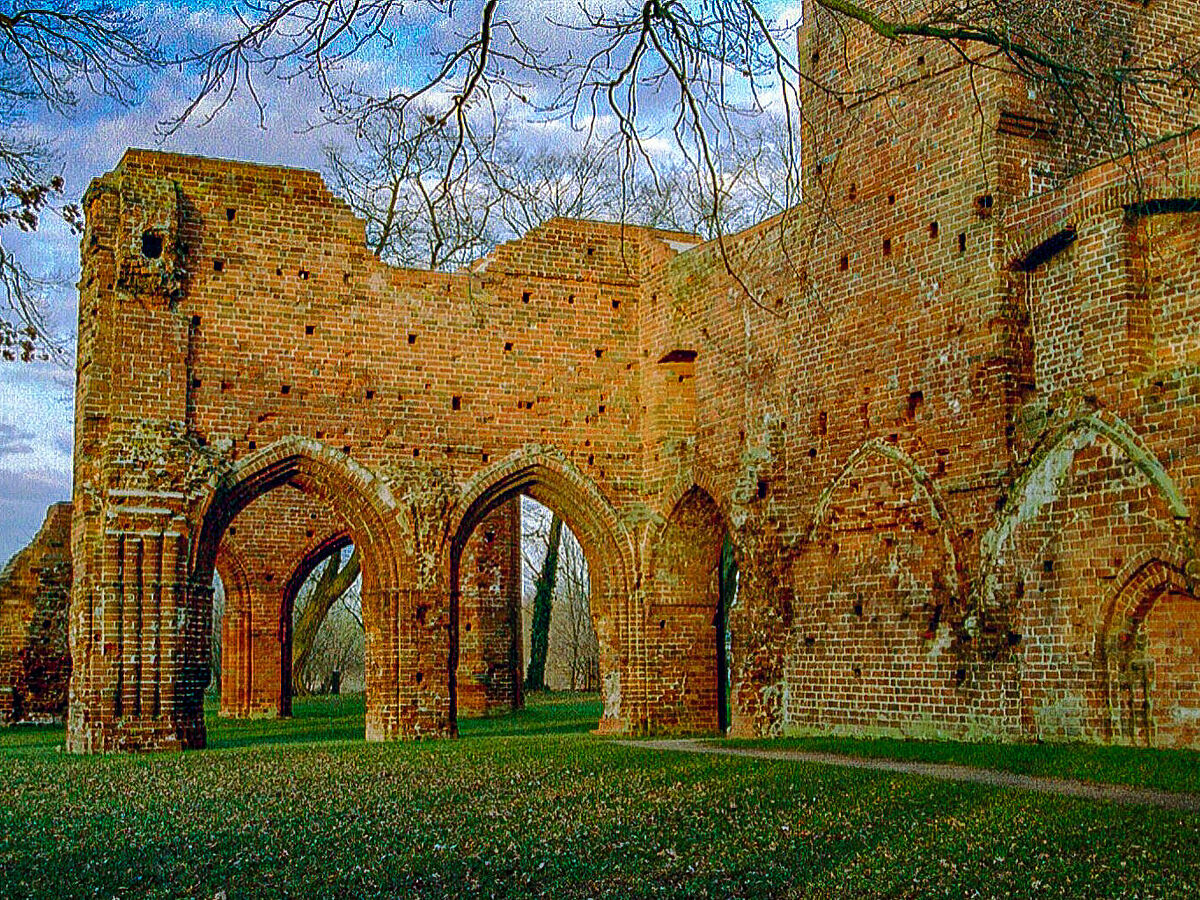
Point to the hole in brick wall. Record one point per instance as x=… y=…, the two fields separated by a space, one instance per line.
x=304 y=274
x=599 y=352
x=857 y=670
x=230 y=213
x=762 y=489
x=310 y=329
x=195 y=321
x=370 y=394
x=616 y=304
x=820 y=168
x=195 y=382
x=456 y=402
x=920 y=60
x=225 y=385
x=591 y=250
x=1019 y=588
x=844 y=263
x=816 y=57
x=984 y=204
x=1048 y=566
x=809 y=640
x=421 y=618
x=570 y=298
x=591 y=459
x=915 y=400
x=887 y=246
x=218 y=265
x=854 y=192
x=858 y=609
x=285 y=389
x=232 y=530
x=412 y=338
x=812 y=452
x=320 y=435
x=484 y=457
x=1013 y=638
x=933 y=231
x=525 y=297
x=602 y=407
x=962 y=243
x=489 y=536
x=152 y=245
x=468 y=627
x=254 y=445
x=308 y=532
x=941 y=467
x=662 y=623
x=508 y=346
x=278 y=271
x=416 y=451
x=960 y=677
x=891 y=199
x=346 y=449
x=822 y=423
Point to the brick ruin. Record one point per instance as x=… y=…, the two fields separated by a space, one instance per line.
x=946 y=412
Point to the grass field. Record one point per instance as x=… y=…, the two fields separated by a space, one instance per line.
x=532 y=805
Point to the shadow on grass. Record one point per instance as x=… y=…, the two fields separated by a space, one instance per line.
x=321 y=720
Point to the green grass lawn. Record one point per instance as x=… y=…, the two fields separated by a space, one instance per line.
x=533 y=805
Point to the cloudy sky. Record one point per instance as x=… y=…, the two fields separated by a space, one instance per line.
x=36 y=399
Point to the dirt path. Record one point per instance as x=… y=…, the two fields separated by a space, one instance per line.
x=1087 y=790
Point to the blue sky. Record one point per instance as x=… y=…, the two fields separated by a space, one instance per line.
x=36 y=399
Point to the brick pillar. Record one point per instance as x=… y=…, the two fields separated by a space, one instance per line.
x=139 y=636
x=252 y=654
x=490 y=667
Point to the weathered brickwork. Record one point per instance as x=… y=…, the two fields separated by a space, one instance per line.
x=947 y=413
x=35 y=587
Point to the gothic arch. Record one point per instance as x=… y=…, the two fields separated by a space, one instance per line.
x=607 y=545
x=922 y=481
x=368 y=508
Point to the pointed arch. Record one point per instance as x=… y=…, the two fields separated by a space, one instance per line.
x=552 y=480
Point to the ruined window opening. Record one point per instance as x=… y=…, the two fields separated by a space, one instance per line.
x=218 y=265
x=152 y=245
x=230 y=213
x=456 y=402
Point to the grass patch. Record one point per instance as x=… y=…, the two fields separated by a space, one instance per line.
x=534 y=805
x=1164 y=770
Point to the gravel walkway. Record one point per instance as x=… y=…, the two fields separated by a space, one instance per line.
x=1087 y=790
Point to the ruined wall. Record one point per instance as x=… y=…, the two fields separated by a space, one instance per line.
x=946 y=412
x=35 y=664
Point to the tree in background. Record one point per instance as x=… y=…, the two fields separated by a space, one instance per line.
x=543 y=604
x=333 y=585
x=52 y=55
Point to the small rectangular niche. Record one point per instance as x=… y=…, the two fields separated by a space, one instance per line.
x=218 y=265
x=370 y=394
x=412 y=338
x=456 y=402
x=285 y=389
x=508 y=345
x=525 y=295
x=310 y=330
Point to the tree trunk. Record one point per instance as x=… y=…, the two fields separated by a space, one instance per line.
x=543 y=603
x=329 y=589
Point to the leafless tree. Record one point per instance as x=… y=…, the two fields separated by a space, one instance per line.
x=333 y=586
x=51 y=54
x=697 y=73
x=572 y=628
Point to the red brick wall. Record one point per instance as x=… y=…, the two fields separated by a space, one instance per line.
x=946 y=412
x=35 y=664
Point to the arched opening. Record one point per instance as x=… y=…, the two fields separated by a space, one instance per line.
x=268 y=527
x=694 y=587
x=598 y=561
